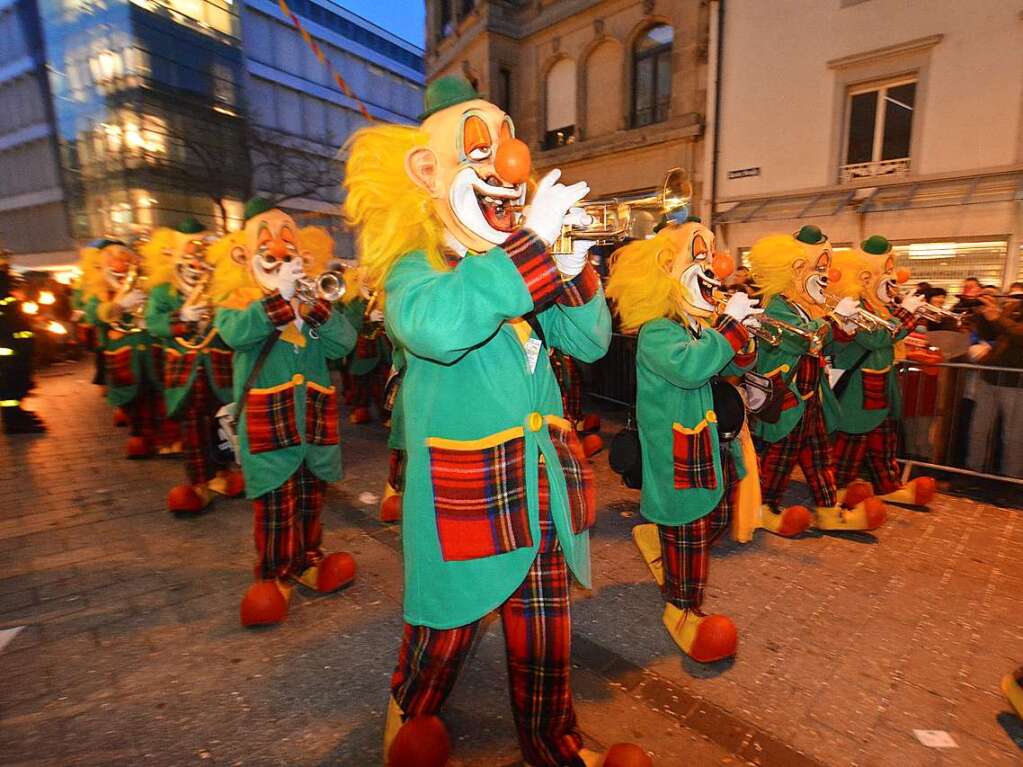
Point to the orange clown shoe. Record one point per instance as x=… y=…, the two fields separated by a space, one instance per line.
x=265 y=603
x=360 y=415
x=422 y=741
x=626 y=755
x=789 y=522
x=1012 y=688
x=390 y=504
x=120 y=418
x=590 y=423
x=916 y=492
x=592 y=444
x=334 y=571
x=228 y=482
x=188 y=499
x=704 y=638
x=648 y=541
x=138 y=447
x=866 y=515
x=855 y=493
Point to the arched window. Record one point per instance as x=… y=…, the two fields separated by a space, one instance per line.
x=603 y=90
x=651 y=75
x=560 y=103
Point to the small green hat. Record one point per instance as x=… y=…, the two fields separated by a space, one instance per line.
x=190 y=225
x=257 y=206
x=876 y=245
x=810 y=235
x=445 y=92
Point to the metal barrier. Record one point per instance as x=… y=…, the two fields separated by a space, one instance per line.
x=956 y=417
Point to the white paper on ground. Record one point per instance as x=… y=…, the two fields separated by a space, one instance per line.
x=367 y=498
x=935 y=739
x=7 y=636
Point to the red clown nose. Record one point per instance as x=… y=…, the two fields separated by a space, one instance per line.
x=723 y=264
x=512 y=162
x=834 y=275
x=902 y=276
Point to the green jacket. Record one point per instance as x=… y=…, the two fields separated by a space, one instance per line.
x=484 y=425
x=396 y=438
x=131 y=358
x=181 y=365
x=678 y=428
x=779 y=363
x=873 y=390
x=291 y=413
x=368 y=352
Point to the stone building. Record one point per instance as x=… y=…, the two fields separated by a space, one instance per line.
x=613 y=92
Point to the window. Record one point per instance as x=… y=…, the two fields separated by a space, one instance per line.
x=879 y=129
x=651 y=76
x=445 y=19
x=505 y=88
x=560 y=103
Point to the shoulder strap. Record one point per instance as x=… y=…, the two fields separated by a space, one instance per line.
x=264 y=352
x=534 y=323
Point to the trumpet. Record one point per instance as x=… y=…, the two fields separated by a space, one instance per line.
x=329 y=285
x=772 y=331
x=198 y=297
x=933 y=313
x=863 y=319
x=132 y=279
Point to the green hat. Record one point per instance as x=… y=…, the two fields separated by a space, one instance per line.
x=810 y=235
x=876 y=245
x=256 y=207
x=189 y=225
x=445 y=92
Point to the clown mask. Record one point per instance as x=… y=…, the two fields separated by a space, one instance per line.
x=190 y=264
x=696 y=266
x=118 y=261
x=474 y=170
x=813 y=272
x=879 y=277
x=271 y=240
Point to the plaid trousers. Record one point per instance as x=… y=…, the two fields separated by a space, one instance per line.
x=808 y=445
x=197 y=418
x=685 y=549
x=287 y=526
x=537 y=636
x=396 y=470
x=144 y=413
x=876 y=449
x=368 y=389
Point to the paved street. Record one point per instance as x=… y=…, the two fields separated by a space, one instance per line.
x=132 y=652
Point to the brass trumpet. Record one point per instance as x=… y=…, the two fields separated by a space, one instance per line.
x=198 y=296
x=772 y=330
x=863 y=319
x=329 y=286
x=132 y=279
x=933 y=313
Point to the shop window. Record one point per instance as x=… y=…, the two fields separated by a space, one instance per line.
x=651 y=76
x=879 y=128
x=947 y=264
x=560 y=105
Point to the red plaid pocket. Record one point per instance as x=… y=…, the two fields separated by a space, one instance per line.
x=321 y=415
x=479 y=496
x=693 y=451
x=789 y=399
x=177 y=366
x=875 y=390
x=119 y=368
x=270 y=419
x=582 y=495
x=220 y=367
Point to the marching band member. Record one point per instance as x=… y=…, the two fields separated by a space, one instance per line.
x=197 y=363
x=570 y=381
x=792 y=273
x=498 y=495
x=289 y=446
x=114 y=304
x=865 y=430
x=663 y=288
x=370 y=361
x=391 y=500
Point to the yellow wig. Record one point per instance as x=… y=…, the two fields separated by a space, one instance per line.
x=771 y=259
x=393 y=216
x=157 y=257
x=317 y=248
x=231 y=282
x=850 y=262
x=640 y=285
x=93 y=282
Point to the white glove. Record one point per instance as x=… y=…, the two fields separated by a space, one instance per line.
x=550 y=204
x=376 y=316
x=287 y=275
x=977 y=352
x=131 y=299
x=913 y=303
x=570 y=264
x=192 y=313
x=741 y=307
x=847 y=307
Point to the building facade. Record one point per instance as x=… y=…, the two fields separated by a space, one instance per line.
x=613 y=92
x=896 y=117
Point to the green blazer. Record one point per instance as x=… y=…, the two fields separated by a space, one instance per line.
x=181 y=365
x=131 y=359
x=291 y=413
x=396 y=438
x=485 y=425
x=779 y=362
x=675 y=412
x=368 y=352
x=873 y=391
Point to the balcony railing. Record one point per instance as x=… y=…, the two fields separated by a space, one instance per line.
x=855 y=171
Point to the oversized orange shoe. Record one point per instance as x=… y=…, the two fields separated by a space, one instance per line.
x=334 y=571
x=916 y=492
x=390 y=509
x=265 y=604
x=866 y=515
x=625 y=755
x=592 y=444
x=789 y=522
x=1012 y=688
x=704 y=638
x=855 y=493
x=360 y=415
x=120 y=418
x=188 y=499
x=422 y=741
x=137 y=448
x=590 y=423
x=228 y=482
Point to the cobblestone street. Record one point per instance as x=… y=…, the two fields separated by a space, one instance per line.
x=131 y=650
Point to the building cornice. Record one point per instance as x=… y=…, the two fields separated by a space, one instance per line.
x=687 y=127
x=899 y=49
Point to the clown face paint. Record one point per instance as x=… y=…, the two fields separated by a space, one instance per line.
x=477 y=206
x=271 y=240
x=812 y=275
x=190 y=263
